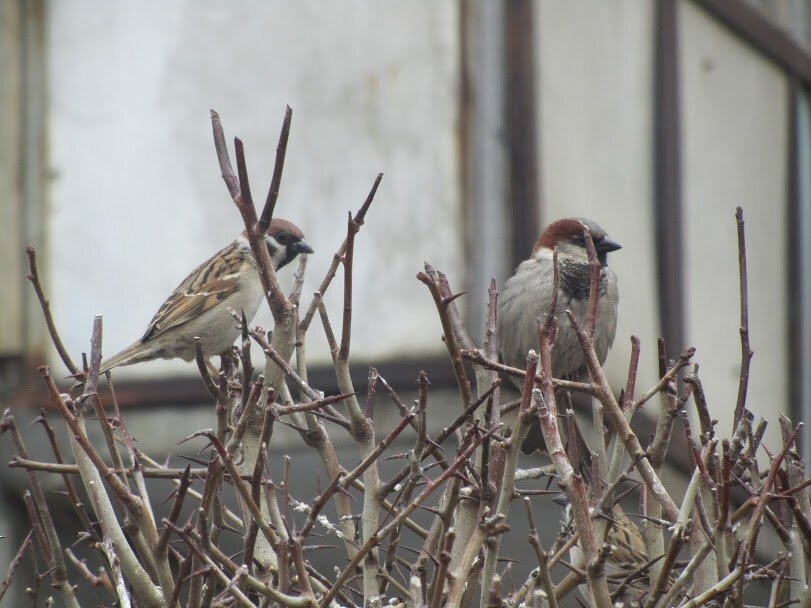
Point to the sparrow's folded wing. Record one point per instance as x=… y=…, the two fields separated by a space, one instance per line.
x=629 y=544
x=526 y=298
x=209 y=284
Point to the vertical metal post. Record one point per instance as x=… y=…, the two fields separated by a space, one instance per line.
x=798 y=225
x=483 y=152
x=668 y=191
x=521 y=107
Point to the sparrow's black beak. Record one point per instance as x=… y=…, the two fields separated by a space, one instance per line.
x=302 y=247
x=606 y=244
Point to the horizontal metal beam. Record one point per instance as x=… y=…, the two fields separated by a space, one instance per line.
x=763 y=34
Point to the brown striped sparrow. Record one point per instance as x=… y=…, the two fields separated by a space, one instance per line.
x=199 y=306
x=626 y=564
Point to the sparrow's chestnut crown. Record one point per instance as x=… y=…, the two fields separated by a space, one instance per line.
x=285 y=241
x=567 y=236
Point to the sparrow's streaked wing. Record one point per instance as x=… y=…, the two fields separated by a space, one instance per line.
x=201 y=291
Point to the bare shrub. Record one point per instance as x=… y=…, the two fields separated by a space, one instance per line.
x=465 y=476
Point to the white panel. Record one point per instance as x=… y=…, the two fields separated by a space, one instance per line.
x=595 y=87
x=803 y=118
x=11 y=201
x=735 y=148
x=137 y=199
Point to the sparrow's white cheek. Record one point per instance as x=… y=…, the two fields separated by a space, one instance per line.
x=276 y=249
x=573 y=251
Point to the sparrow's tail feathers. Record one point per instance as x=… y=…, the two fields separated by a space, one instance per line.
x=533 y=440
x=134 y=353
x=584 y=458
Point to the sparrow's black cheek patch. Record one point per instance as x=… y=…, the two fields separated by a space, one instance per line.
x=291 y=255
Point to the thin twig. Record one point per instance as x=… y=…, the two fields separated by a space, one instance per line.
x=477 y=357
x=177 y=505
x=49 y=321
x=360 y=217
x=621 y=425
x=374 y=539
x=15 y=562
x=278 y=167
x=746 y=352
x=432 y=279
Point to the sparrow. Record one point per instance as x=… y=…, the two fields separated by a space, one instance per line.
x=199 y=306
x=527 y=296
x=628 y=560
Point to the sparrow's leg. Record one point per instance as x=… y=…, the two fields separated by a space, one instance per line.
x=229 y=363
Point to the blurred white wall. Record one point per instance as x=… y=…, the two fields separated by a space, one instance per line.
x=137 y=200
x=735 y=107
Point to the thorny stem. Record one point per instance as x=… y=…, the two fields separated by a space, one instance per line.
x=620 y=424
x=202 y=549
x=750 y=539
x=594 y=283
x=443 y=300
x=14 y=564
x=522 y=422
x=374 y=539
x=93 y=469
x=177 y=505
x=243 y=488
x=42 y=522
x=360 y=217
x=122 y=492
x=278 y=167
x=346 y=332
x=477 y=357
x=542 y=556
x=46 y=311
x=568 y=481
x=202 y=368
x=433 y=445
x=571 y=483
x=746 y=352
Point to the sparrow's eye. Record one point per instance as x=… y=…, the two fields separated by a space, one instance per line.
x=580 y=239
x=283 y=238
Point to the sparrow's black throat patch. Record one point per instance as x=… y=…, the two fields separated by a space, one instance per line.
x=575 y=279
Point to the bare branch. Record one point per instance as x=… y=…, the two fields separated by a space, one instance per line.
x=374 y=539
x=433 y=280
x=360 y=217
x=594 y=283
x=46 y=311
x=621 y=425
x=349 y=256
x=222 y=156
x=177 y=505
x=746 y=352
x=278 y=167
x=15 y=562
